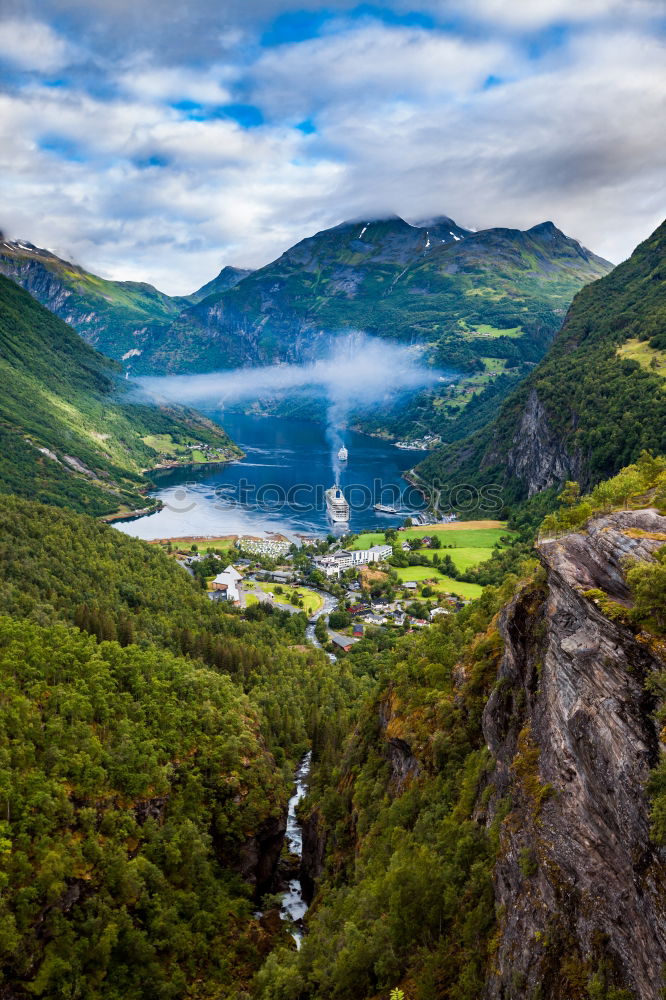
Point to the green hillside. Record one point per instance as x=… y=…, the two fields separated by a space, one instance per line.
x=115 y=316
x=147 y=740
x=68 y=437
x=119 y=318
x=592 y=404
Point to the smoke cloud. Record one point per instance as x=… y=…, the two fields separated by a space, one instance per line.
x=358 y=374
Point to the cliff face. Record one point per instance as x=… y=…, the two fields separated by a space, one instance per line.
x=579 y=885
x=538 y=456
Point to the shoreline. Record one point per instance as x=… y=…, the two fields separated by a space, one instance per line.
x=169 y=466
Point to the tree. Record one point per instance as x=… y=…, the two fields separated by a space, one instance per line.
x=570 y=494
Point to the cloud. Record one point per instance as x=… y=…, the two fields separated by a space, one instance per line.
x=175 y=83
x=527 y=15
x=132 y=167
x=369 y=62
x=33 y=45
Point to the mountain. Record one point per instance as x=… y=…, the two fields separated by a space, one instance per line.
x=68 y=430
x=116 y=317
x=596 y=400
x=461 y=295
x=227 y=278
x=485 y=304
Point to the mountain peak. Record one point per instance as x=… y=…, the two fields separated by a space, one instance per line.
x=546 y=229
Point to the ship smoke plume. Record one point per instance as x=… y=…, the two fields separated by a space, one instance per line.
x=357 y=374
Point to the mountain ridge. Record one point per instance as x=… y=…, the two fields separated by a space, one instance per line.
x=593 y=403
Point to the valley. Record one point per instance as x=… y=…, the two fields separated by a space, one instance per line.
x=470 y=698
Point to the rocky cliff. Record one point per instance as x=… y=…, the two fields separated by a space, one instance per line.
x=579 y=886
x=538 y=457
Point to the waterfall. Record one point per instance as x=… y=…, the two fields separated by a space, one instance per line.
x=294 y=906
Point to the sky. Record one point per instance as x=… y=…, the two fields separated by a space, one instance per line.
x=161 y=141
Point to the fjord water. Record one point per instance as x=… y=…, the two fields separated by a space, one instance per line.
x=287 y=466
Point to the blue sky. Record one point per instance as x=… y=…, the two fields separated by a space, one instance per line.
x=160 y=143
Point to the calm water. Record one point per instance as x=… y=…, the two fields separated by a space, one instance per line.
x=279 y=485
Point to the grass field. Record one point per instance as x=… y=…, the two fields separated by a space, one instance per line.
x=441 y=584
x=472 y=541
x=311 y=601
x=648 y=357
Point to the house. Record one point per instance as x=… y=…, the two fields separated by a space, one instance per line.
x=328 y=565
x=406 y=547
x=426 y=542
x=344 y=642
x=373 y=619
x=410 y=585
x=227 y=583
x=357 y=609
x=279 y=576
x=357 y=630
x=436 y=612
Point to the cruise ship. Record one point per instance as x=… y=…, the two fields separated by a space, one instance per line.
x=337 y=506
x=343 y=454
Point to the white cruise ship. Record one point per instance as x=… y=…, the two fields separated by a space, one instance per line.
x=337 y=506
x=343 y=454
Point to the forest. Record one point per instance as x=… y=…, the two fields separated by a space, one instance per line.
x=148 y=738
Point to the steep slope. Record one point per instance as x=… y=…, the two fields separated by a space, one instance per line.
x=496 y=827
x=116 y=317
x=501 y=293
x=579 y=882
x=593 y=403
x=144 y=767
x=67 y=434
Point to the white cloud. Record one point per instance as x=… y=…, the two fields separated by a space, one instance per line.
x=33 y=45
x=371 y=62
x=169 y=83
x=404 y=124
x=527 y=15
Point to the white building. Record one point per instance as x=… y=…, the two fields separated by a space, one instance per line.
x=228 y=584
x=333 y=565
x=348 y=558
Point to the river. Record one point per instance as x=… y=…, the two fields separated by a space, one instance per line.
x=279 y=485
x=294 y=906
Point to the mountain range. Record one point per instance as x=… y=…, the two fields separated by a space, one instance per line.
x=440 y=286
x=486 y=811
x=485 y=304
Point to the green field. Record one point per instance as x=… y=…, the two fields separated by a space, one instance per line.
x=648 y=357
x=167 y=448
x=471 y=546
x=311 y=601
x=441 y=584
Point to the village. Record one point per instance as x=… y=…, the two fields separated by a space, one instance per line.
x=357 y=587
